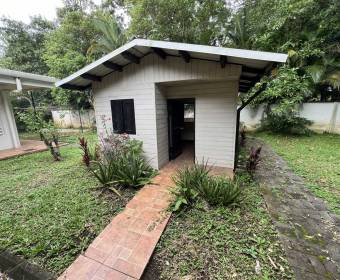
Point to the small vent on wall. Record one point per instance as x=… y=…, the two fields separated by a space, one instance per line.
x=1 y=131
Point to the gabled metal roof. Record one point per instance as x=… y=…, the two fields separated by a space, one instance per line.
x=16 y=80
x=254 y=63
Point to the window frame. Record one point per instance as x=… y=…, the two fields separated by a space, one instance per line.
x=123 y=123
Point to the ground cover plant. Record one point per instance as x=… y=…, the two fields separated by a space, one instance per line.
x=218 y=242
x=51 y=210
x=315 y=158
x=194 y=181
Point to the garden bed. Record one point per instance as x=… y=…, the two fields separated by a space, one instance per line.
x=51 y=211
x=315 y=158
x=236 y=242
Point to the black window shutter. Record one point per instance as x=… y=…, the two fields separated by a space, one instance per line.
x=129 y=116
x=117 y=116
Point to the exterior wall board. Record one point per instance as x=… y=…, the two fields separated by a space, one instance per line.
x=145 y=82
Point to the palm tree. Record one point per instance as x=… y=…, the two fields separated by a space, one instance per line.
x=239 y=34
x=111 y=35
x=325 y=77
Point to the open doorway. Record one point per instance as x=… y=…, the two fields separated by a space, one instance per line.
x=181 y=126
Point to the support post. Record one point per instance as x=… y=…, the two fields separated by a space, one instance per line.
x=238 y=116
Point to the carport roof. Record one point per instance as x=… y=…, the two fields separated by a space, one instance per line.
x=254 y=63
x=16 y=80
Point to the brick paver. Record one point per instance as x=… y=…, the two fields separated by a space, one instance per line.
x=27 y=147
x=122 y=250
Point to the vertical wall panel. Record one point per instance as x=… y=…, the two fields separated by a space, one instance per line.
x=139 y=82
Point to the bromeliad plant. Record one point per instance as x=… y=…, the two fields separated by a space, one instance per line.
x=195 y=182
x=219 y=190
x=187 y=182
x=122 y=164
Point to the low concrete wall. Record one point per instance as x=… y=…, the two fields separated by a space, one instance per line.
x=325 y=116
x=71 y=118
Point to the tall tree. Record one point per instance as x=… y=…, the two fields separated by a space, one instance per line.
x=66 y=51
x=22 y=47
x=22 y=44
x=190 y=21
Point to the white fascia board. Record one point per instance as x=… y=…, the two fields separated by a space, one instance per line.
x=96 y=63
x=239 y=53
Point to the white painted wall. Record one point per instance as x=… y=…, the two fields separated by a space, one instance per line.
x=215 y=119
x=9 y=137
x=71 y=119
x=140 y=83
x=325 y=116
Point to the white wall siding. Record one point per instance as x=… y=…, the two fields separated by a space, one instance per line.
x=215 y=119
x=162 y=127
x=139 y=82
x=9 y=137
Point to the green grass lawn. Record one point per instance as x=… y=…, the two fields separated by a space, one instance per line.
x=315 y=158
x=207 y=242
x=50 y=210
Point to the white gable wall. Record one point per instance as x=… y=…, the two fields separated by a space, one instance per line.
x=139 y=82
x=215 y=119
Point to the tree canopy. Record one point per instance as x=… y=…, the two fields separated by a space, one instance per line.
x=190 y=21
x=308 y=30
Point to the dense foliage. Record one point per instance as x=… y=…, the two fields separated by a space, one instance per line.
x=190 y=21
x=84 y=31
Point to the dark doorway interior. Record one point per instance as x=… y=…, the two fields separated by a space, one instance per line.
x=181 y=125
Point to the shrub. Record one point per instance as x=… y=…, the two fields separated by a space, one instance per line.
x=219 y=190
x=122 y=163
x=253 y=159
x=187 y=182
x=286 y=123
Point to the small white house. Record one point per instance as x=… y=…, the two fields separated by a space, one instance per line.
x=173 y=95
x=15 y=81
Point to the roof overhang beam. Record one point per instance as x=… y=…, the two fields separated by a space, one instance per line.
x=160 y=52
x=223 y=61
x=185 y=55
x=91 y=77
x=130 y=57
x=113 y=66
x=74 y=87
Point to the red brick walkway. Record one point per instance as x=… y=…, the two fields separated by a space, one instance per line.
x=122 y=250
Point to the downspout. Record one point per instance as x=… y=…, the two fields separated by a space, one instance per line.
x=238 y=114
